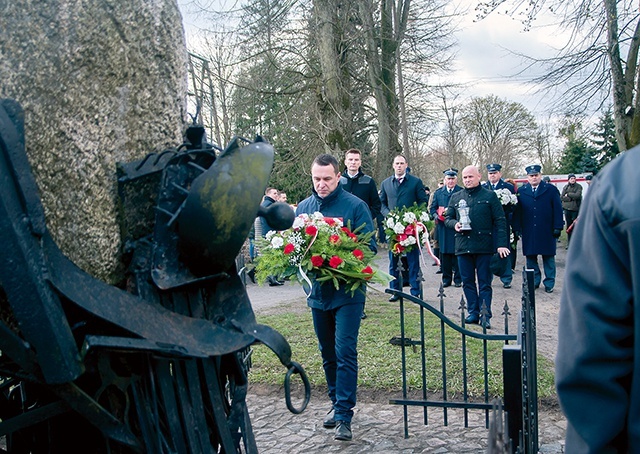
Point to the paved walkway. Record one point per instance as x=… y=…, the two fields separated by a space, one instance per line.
x=378 y=428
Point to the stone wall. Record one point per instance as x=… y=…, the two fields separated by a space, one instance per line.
x=100 y=82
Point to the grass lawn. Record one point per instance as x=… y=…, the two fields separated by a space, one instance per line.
x=380 y=362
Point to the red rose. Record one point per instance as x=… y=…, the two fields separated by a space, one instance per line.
x=334 y=239
x=410 y=230
x=349 y=233
x=289 y=248
x=401 y=237
x=397 y=248
x=335 y=261
x=357 y=253
x=317 y=260
x=311 y=230
x=367 y=270
x=330 y=221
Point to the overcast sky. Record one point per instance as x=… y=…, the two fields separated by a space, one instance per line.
x=483 y=58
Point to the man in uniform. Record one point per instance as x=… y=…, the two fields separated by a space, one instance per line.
x=538 y=217
x=402 y=190
x=446 y=235
x=364 y=187
x=495 y=182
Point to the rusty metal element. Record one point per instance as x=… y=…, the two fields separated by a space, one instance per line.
x=160 y=366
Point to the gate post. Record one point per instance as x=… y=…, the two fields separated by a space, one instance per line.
x=512 y=384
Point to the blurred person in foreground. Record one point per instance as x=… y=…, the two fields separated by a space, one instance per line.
x=598 y=359
x=337 y=313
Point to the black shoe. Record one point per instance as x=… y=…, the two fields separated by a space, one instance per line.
x=471 y=319
x=446 y=285
x=275 y=283
x=252 y=275
x=329 y=420
x=394 y=298
x=507 y=285
x=364 y=315
x=343 y=431
x=439 y=272
x=548 y=290
x=457 y=284
x=485 y=324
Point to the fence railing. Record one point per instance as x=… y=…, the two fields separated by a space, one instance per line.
x=519 y=367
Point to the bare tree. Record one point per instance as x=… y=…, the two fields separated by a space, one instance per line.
x=500 y=131
x=600 y=59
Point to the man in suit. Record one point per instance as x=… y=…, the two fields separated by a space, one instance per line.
x=538 y=217
x=355 y=181
x=495 y=182
x=402 y=190
x=446 y=235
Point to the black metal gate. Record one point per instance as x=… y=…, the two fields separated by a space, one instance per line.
x=519 y=365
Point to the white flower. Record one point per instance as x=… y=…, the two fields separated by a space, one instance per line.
x=270 y=234
x=391 y=223
x=277 y=242
x=338 y=222
x=424 y=217
x=398 y=228
x=298 y=222
x=409 y=217
x=505 y=197
x=409 y=241
x=317 y=216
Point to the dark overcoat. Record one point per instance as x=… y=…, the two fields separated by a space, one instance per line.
x=446 y=236
x=364 y=187
x=598 y=359
x=536 y=217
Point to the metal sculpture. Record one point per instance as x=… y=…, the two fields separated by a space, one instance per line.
x=161 y=365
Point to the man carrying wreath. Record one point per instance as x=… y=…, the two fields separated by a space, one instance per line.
x=336 y=312
x=402 y=190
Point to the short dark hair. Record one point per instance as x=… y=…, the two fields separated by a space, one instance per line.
x=324 y=160
x=401 y=156
x=352 y=151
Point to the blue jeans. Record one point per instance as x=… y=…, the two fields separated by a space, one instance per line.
x=471 y=265
x=413 y=259
x=549 y=266
x=337 y=332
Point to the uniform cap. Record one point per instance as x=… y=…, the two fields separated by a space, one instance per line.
x=451 y=172
x=532 y=170
x=493 y=167
x=588 y=177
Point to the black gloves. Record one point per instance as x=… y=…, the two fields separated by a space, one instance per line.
x=556 y=233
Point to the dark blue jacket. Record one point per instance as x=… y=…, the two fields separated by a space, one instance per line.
x=536 y=217
x=446 y=236
x=598 y=359
x=364 y=187
x=353 y=211
x=393 y=195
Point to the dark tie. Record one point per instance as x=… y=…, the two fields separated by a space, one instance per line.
x=494 y=186
x=400 y=180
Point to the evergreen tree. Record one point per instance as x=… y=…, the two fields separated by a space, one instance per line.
x=604 y=140
x=578 y=156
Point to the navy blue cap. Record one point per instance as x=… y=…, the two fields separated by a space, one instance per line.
x=451 y=172
x=494 y=167
x=588 y=177
x=533 y=169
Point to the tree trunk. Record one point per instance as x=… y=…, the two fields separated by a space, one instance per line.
x=381 y=73
x=334 y=99
x=622 y=81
